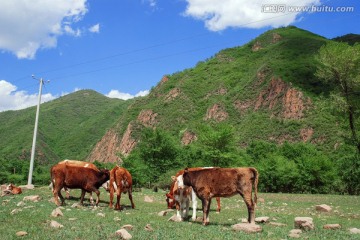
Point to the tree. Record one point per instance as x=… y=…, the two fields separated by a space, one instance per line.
x=219 y=145
x=340 y=66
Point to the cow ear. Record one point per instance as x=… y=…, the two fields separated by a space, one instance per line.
x=173 y=178
x=186 y=170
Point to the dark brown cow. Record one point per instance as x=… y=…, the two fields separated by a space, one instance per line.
x=65 y=175
x=121 y=182
x=180 y=197
x=222 y=182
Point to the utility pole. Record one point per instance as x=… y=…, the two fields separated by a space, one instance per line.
x=29 y=184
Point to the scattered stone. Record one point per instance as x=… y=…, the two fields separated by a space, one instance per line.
x=276 y=224
x=304 y=223
x=354 y=230
x=117 y=219
x=33 y=198
x=261 y=219
x=55 y=224
x=244 y=220
x=27 y=187
x=15 y=211
x=76 y=205
x=148 y=228
x=57 y=212
x=295 y=233
x=72 y=219
x=261 y=200
x=323 y=208
x=148 y=199
x=128 y=227
x=100 y=214
x=162 y=213
x=123 y=234
x=21 y=233
x=246 y=227
x=332 y=226
x=174 y=218
x=20 y=204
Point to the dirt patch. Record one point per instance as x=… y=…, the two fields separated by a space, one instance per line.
x=216 y=112
x=188 y=137
x=175 y=92
x=306 y=134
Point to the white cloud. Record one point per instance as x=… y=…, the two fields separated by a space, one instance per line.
x=95 y=28
x=152 y=3
x=219 y=15
x=29 y=25
x=125 y=96
x=11 y=99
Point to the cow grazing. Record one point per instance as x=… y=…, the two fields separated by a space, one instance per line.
x=10 y=189
x=65 y=175
x=121 y=182
x=181 y=197
x=222 y=182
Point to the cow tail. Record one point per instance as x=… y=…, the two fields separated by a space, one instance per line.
x=255 y=182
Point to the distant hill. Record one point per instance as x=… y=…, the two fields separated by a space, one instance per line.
x=68 y=127
x=349 y=38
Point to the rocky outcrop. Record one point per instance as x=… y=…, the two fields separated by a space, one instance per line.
x=106 y=149
x=127 y=143
x=175 y=92
x=291 y=102
x=147 y=118
x=256 y=47
x=216 y=112
x=188 y=138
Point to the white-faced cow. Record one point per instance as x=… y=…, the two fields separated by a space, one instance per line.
x=180 y=197
x=121 y=182
x=67 y=175
x=222 y=182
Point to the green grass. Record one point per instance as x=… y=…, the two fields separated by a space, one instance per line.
x=35 y=217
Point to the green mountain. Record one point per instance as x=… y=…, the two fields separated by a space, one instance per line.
x=265 y=90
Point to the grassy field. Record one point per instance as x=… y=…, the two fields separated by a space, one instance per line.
x=86 y=223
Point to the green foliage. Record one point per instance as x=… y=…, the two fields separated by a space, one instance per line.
x=155 y=155
x=293 y=168
x=350 y=173
x=218 y=144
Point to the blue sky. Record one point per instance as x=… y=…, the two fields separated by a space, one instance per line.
x=122 y=48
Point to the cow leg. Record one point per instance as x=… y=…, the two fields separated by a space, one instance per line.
x=177 y=206
x=98 y=196
x=130 y=198
x=251 y=208
x=111 y=195
x=82 y=196
x=91 y=199
x=206 y=208
x=194 y=204
x=218 y=205
x=57 y=194
x=118 y=196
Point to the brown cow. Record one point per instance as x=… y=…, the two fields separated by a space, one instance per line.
x=70 y=176
x=11 y=189
x=79 y=164
x=181 y=196
x=222 y=182
x=121 y=182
